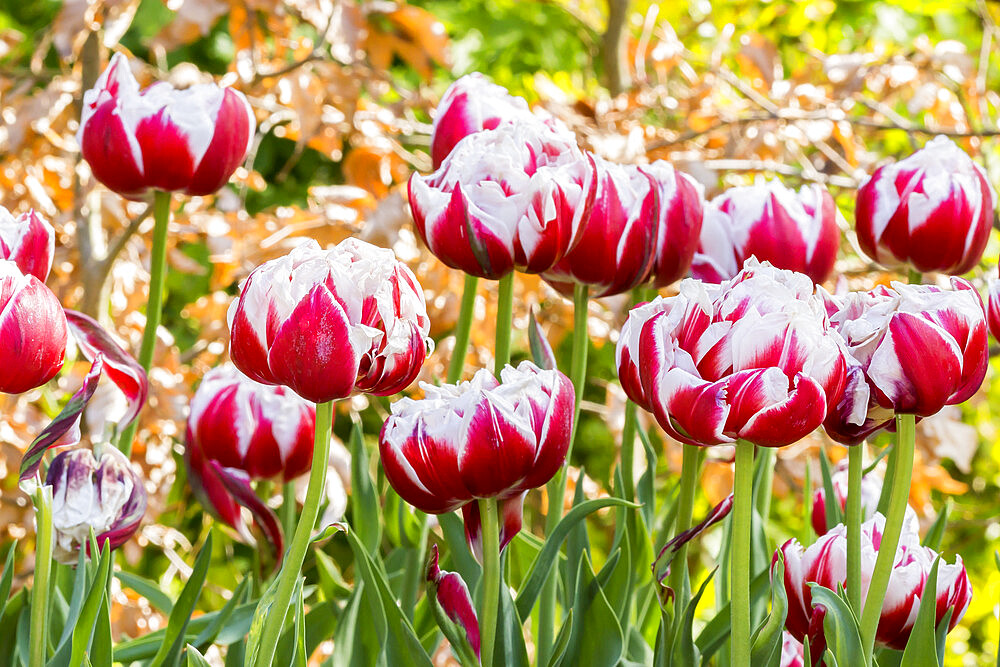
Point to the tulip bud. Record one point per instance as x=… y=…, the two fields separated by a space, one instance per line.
x=933 y=210
x=450 y=591
x=33 y=331
x=328 y=323
x=617 y=244
x=792 y=230
x=105 y=495
x=680 y=203
x=479 y=439
x=513 y=197
x=27 y=240
x=825 y=563
x=160 y=138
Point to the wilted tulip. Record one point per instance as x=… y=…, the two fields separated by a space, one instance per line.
x=504 y=199
x=479 y=439
x=913 y=349
x=752 y=358
x=933 y=210
x=792 y=230
x=33 y=331
x=452 y=594
x=27 y=240
x=825 y=562
x=161 y=138
x=329 y=323
x=680 y=202
x=105 y=495
x=617 y=243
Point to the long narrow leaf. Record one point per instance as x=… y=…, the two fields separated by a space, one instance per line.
x=365 y=517
x=147 y=589
x=173 y=640
x=83 y=633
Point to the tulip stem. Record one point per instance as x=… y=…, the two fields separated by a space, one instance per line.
x=491 y=578
x=462 y=330
x=288 y=507
x=739 y=566
x=505 y=314
x=296 y=553
x=578 y=363
x=628 y=451
x=154 y=306
x=853 y=519
x=898 y=496
x=43 y=568
x=690 y=464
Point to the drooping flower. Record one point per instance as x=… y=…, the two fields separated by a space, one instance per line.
x=933 y=210
x=479 y=439
x=792 y=230
x=161 y=138
x=27 y=240
x=329 y=323
x=505 y=199
x=680 y=202
x=33 y=331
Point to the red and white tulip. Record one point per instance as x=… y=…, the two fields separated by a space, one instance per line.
x=993 y=307
x=29 y=241
x=932 y=210
x=452 y=593
x=161 y=138
x=680 y=201
x=329 y=323
x=797 y=231
x=791 y=651
x=33 y=331
x=871 y=490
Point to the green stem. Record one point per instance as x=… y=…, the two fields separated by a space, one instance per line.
x=39 y=627
x=462 y=329
x=628 y=451
x=288 y=508
x=900 y=493
x=505 y=313
x=739 y=566
x=690 y=466
x=491 y=578
x=154 y=306
x=296 y=553
x=853 y=519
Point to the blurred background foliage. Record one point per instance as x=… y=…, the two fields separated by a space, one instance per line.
x=806 y=90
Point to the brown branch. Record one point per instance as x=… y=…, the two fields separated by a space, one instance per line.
x=613 y=47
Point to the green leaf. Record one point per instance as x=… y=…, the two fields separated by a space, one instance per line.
x=921 y=649
x=365 y=519
x=645 y=489
x=331 y=581
x=147 y=589
x=562 y=640
x=509 y=649
x=299 y=655
x=194 y=657
x=8 y=576
x=207 y=636
x=715 y=633
x=766 y=650
x=355 y=643
x=577 y=542
x=462 y=560
x=843 y=640
x=173 y=639
x=86 y=623
x=685 y=651
x=932 y=540
x=64 y=646
x=233 y=632
x=598 y=640
x=102 y=646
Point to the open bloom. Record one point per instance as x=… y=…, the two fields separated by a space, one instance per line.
x=752 y=358
x=161 y=138
x=791 y=230
x=913 y=350
x=27 y=240
x=617 y=244
x=825 y=562
x=328 y=323
x=33 y=331
x=680 y=202
x=933 y=210
x=504 y=199
x=105 y=495
x=472 y=104
x=479 y=439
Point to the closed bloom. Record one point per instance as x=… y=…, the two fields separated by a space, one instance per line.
x=993 y=307
x=933 y=210
x=161 y=138
x=752 y=358
x=329 y=323
x=680 y=202
x=452 y=594
x=825 y=563
x=913 y=350
x=504 y=199
x=27 y=240
x=617 y=244
x=33 y=331
x=105 y=495
x=792 y=230
x=871 y=490
x=479 y=439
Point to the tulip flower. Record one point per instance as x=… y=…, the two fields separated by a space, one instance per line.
x=161 y=138
x=102 y=494
x=752 y=359
x=825 y=562
x=329 y=323
x=913 y=349
x=504 y=199
x=479 y=439
x=680 y=203
x=871 y=490
x=617 y=244
x=33 y=331
x=993 y=307
x=791 y=651
x=791 y=230
x=933 y=210
x=450 y=591
x=627 y=351
x=472 y=104
x=27 y=240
